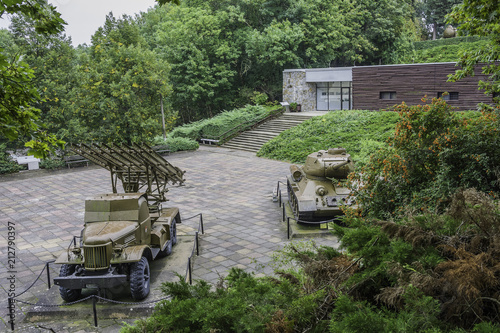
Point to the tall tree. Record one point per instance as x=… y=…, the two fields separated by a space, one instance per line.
x=19 y=119
x=482 y=18
x=434 y=12
x=122 y=85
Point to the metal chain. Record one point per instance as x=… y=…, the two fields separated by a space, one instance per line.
x=192 y=217
x=33 y=281
x=56 y=305
x=131 y=303
x=94 y=296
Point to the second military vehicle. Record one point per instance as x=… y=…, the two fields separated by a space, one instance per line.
x=317 y=190
x=122 y=231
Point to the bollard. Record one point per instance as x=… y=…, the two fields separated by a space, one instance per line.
x=189 y=271
x=197 y=243
x=288 y=228
x=94 y=302
x=48 y=273
x=283 y=214
x=201 y=222
x=11 y=314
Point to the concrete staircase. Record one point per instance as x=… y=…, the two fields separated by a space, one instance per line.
x=252 y=140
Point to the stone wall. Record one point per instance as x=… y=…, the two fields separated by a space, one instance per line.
x=296 y=89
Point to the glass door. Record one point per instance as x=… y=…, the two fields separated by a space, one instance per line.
x=322 y=96
x=346 y=98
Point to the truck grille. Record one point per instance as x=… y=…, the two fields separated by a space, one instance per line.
x=96 y=257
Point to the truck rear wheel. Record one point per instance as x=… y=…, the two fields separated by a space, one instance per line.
x=174 y=229
x=68 y=295
x=140 y=279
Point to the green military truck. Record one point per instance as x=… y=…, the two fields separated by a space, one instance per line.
x=122 y=231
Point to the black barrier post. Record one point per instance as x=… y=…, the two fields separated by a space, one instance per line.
x=94 y=301
x=48 y=273
x=288 y=228
x=189 y=271
x=197 y=243
x=283 y=214
x=11 y=313
x=201 y=222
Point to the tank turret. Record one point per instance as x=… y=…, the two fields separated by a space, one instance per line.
x=316 y=190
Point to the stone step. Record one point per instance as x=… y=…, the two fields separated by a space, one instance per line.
x=253 y=140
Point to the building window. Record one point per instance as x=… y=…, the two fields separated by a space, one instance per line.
x=387 y=95
x=448 y=96
x=333 y=95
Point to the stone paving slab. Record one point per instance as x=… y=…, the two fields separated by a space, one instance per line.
x=232 y=189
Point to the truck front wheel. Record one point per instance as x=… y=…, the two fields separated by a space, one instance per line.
x=140 y=279
x=69 y=295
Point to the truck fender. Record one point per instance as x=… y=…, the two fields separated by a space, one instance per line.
x=69 y=258
x=133 y=254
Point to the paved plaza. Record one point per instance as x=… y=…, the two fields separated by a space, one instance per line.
x=232 y=189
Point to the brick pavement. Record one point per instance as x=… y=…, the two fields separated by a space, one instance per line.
x=233 y=190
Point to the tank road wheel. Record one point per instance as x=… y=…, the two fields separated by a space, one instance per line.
x=140 y=279
x=68 y=295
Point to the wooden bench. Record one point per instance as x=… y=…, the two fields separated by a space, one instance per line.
x=75 y=159
x=162 y=150
x=33 y=162
x=209 y=141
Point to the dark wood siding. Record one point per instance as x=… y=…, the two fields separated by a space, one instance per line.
x=411 y=83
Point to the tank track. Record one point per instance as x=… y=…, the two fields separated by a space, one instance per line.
x=294 y=204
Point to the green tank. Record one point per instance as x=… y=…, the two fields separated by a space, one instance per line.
x=317 y=190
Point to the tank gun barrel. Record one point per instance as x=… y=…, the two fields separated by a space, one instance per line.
x=338 y=165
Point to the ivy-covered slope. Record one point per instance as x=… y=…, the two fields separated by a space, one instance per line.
x=360 y=132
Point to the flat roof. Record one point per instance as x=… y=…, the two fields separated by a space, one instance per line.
x=344 y=68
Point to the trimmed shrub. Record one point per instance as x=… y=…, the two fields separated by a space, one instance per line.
x=52 y=163
x=218 y=125
x=176 y=144
x=7 y=164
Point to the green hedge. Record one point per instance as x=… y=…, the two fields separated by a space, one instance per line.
x=176 y=144
x=427 y=44
x=446 y=53
x=216 y=126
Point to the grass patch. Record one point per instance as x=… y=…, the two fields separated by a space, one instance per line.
x=360 y=132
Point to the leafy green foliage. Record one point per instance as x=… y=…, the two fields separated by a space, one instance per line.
x=242 y=303
x=121 y=86
x=360 y=132
x=19 y=119
x=7 y=165
x=480 y=17
x=433 y=153
x=177 y=143
x=52 y=163
x=434 y=14
x=218 y=125
x=444 y=53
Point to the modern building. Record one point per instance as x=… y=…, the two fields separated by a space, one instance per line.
x=379 y=87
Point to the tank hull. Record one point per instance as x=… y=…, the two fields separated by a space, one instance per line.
x=308 y=206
